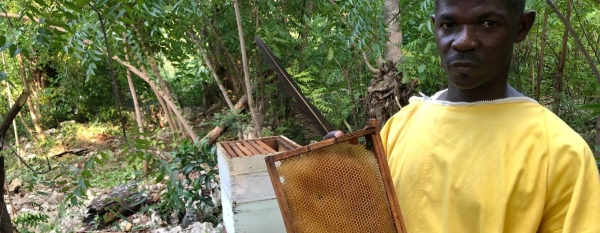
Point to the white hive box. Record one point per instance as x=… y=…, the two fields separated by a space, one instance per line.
x=249 y=203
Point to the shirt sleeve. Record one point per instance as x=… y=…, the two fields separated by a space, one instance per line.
x=573 y=189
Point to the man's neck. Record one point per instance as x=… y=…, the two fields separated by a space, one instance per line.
x=454 y=94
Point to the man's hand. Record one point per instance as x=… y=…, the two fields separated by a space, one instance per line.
x=333 y=134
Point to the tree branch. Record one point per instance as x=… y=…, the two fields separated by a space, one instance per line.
x=371 y=68
x=577 y=40
x=212 y=70
x=12 y=113
x=24 y=17
x=169 y=103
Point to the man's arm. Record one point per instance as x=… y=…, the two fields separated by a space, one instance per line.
x=573 y=190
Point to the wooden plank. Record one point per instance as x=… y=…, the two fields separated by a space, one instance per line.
x=244 y=150
x=258 y=147
x=250 y=148
x=321 y=144
x=230 y=152
x=387 y=179
x=264 y=146
x=278 y=187
x=290 y=142
x=237 y=150
x=284 y=144
x=271 y=142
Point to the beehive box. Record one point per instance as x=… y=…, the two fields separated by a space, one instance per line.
x=249 y=203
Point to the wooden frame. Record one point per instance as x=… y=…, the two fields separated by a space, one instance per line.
x=371 y=134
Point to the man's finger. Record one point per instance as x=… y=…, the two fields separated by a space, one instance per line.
x=333 y=134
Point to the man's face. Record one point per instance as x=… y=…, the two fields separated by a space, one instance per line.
x=475 y=40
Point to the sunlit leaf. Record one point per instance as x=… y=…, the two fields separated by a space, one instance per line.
x=41 y=3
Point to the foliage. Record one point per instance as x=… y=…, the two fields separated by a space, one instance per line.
x=197 y=162
x=26 y=221
x=319 y=42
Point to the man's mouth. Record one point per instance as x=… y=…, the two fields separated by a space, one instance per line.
x=463 y=67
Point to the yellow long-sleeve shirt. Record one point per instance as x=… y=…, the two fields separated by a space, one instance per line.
x=497 y=166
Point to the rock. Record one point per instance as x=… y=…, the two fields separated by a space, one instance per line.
x=190 y=217
x=155 y=219
x=50 y=131
x=125 y=226
x=174 y=218
x=176 y=229
x=15 y=185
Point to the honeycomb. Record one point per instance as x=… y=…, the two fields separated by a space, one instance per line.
x=338 y=188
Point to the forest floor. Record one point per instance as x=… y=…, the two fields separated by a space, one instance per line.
x=41 y=202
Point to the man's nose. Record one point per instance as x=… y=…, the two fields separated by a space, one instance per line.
x=465 y=39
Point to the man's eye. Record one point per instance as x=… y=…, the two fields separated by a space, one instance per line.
x=447 y=25
x=488 y=24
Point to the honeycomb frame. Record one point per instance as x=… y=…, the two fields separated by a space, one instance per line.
x=317 y=190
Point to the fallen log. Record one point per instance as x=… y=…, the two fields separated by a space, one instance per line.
x=73 y=151
x=214 y=134
x=120 y=202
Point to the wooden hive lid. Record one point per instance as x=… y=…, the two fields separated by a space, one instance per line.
x=258 y=146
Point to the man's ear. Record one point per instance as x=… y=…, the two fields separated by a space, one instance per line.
x=525 y=23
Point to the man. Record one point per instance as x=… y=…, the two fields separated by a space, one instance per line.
x=480 y=156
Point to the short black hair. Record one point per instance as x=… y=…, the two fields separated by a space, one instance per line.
x=519 y=4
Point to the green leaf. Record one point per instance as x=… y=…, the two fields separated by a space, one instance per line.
x=43 y=193
x=73 y=200
x=17 y=51
x=41 y=3
x=12 y=50
x=25 y=53
x=34 y=10
x=330 y=54
x=2 y=40
x=590 y=106
x=78 y=193
x=422 y=68
x=82 y=183
x=5 y=46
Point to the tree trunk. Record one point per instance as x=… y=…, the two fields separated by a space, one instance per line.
x=154 y=69
x=558 y=77
x=136 y=105
x=540 y=70
x=10 y=103
x=391 y=15
x=386 y=92
x=5 y=222
x=163 y=86
x=255 y=121
x=168 y=102
x=158 y=98
x=32 y=109
x=211 y=68
x=568 y=26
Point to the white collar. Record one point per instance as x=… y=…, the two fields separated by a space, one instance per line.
x=434 y=99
